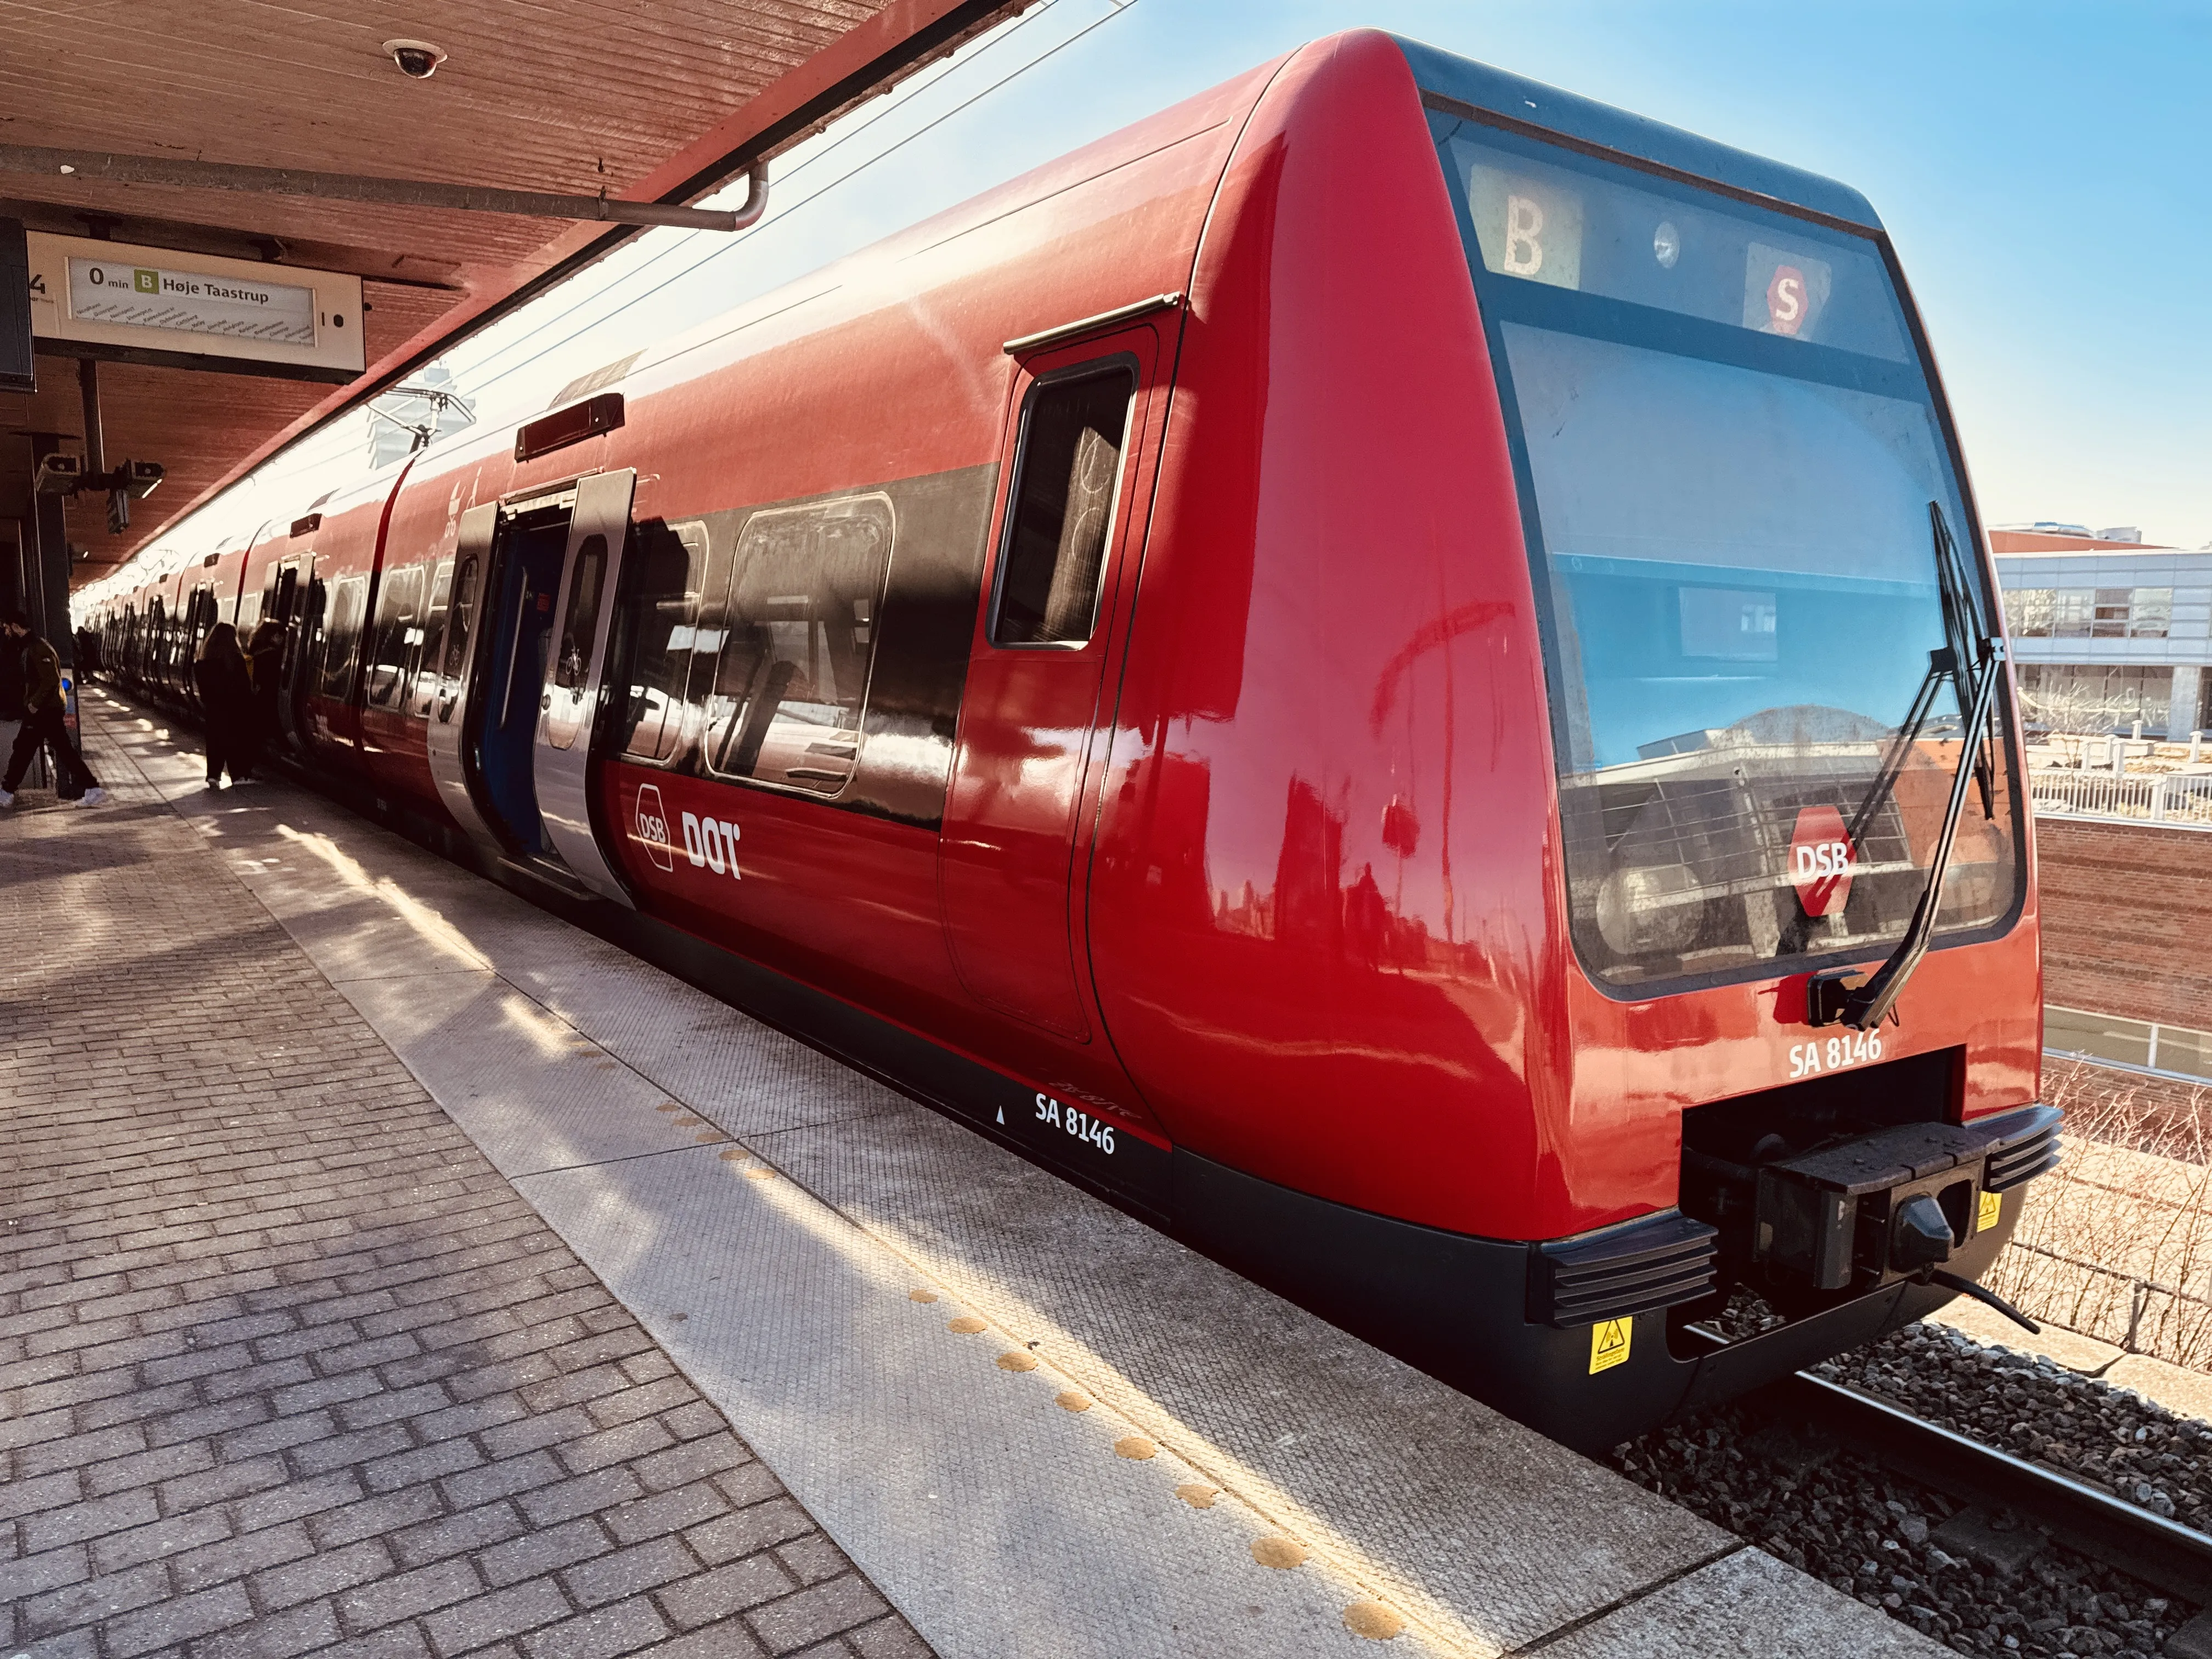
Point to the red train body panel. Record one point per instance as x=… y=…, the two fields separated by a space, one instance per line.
x=1240 y=851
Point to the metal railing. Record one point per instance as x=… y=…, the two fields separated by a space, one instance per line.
x=2180 y=799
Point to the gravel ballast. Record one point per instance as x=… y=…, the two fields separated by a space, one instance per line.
x=2111 y=1438
x=1874 y=1535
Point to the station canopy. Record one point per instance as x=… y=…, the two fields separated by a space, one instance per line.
x=251 y=168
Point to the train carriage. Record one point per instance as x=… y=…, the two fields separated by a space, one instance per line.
x=1391 y=667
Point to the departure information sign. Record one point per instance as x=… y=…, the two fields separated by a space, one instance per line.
x=106 y=291
x=165 y=305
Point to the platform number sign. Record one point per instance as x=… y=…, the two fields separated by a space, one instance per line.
x=1609 y=1339
x=1822 y=860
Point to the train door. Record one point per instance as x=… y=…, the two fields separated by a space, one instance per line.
x=575 y=680
x=517 y=747
x=447 y=695
x=1014 y=828
x=296 y=602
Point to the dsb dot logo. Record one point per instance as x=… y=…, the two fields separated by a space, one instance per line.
x=1821 y=861
x=652 y=826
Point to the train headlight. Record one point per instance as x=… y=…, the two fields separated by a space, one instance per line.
x=1647 y=908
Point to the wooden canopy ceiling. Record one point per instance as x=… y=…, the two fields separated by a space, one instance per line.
x=647 y=100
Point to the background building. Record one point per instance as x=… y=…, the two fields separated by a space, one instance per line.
x=2105 y=630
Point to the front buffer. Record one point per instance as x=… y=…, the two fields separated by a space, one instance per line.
x=1594 y=1340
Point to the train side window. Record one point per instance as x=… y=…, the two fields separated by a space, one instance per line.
x=396 y=605
x=284 y=595
x=1061 y=510
x=580 y=620
x=341 y=632
x=464 y=618
x=796 y=628
x=667 y=566
x=425 y=661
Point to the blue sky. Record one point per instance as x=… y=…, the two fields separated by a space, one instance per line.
x=2042 y=169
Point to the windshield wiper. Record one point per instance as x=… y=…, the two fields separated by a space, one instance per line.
x=1970 y=659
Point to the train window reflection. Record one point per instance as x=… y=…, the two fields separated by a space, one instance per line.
x=1728 y=453
x=402 y=595
x=1061 y=509
x=465 y=610
x=422 y=662
x=342 y=628
x=788 y=685
x=580 y=624
x=667 y=567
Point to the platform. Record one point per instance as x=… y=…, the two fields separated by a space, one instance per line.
x=279 y=1075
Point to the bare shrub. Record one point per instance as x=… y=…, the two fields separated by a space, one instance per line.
x=2117 y=1241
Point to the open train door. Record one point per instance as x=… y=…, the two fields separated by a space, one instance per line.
x=448 y=685
x=296 y=604
x=576 y=676
x=1026 y=760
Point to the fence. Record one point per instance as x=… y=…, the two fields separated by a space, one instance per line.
x=2182 y=798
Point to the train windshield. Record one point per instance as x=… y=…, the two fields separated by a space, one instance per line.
x=1727 y=448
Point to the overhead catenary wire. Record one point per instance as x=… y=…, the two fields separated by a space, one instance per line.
x=731 y=246
x=136 y=571
x=892 y=105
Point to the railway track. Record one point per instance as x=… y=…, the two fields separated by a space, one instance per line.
x=2162 y=1554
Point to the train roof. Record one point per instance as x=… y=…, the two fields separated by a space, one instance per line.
x=1534 y=104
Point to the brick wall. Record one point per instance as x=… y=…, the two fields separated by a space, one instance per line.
x=2127 y=920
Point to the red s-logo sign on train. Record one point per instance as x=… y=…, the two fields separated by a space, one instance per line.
x=1785 y=299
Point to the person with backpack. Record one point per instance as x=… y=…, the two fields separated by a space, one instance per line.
x=45 y=718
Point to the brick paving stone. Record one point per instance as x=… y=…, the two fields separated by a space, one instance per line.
x=890 y=1638
x=727 y=1640
x=311 y=1627
x=488 y=1618
x=233 y=1558
x=603 y=1632
x=668 y=1511
x=94 y=1601
x=27 y=1576
x=546 y=1550
x=285 y=1365
x=819 y=1611
x=812 y=1558
x=748 y=1583
x=747 y=1530
x=629 y=1572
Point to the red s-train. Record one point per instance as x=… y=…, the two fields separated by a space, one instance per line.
x=1379 y=667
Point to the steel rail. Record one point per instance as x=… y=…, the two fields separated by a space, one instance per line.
x=2165 y=1554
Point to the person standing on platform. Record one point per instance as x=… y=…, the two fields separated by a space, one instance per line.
x=226 y=689
x=11 y=689
x=265 y=654
x=45 y=718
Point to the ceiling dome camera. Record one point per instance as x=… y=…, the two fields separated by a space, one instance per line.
x=418 y=60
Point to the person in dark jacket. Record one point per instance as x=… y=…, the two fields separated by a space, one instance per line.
x=226 y=689
x=45 y=718
x=265 y=655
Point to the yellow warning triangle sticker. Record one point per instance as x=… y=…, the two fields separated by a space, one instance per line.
x=1609 y=1344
